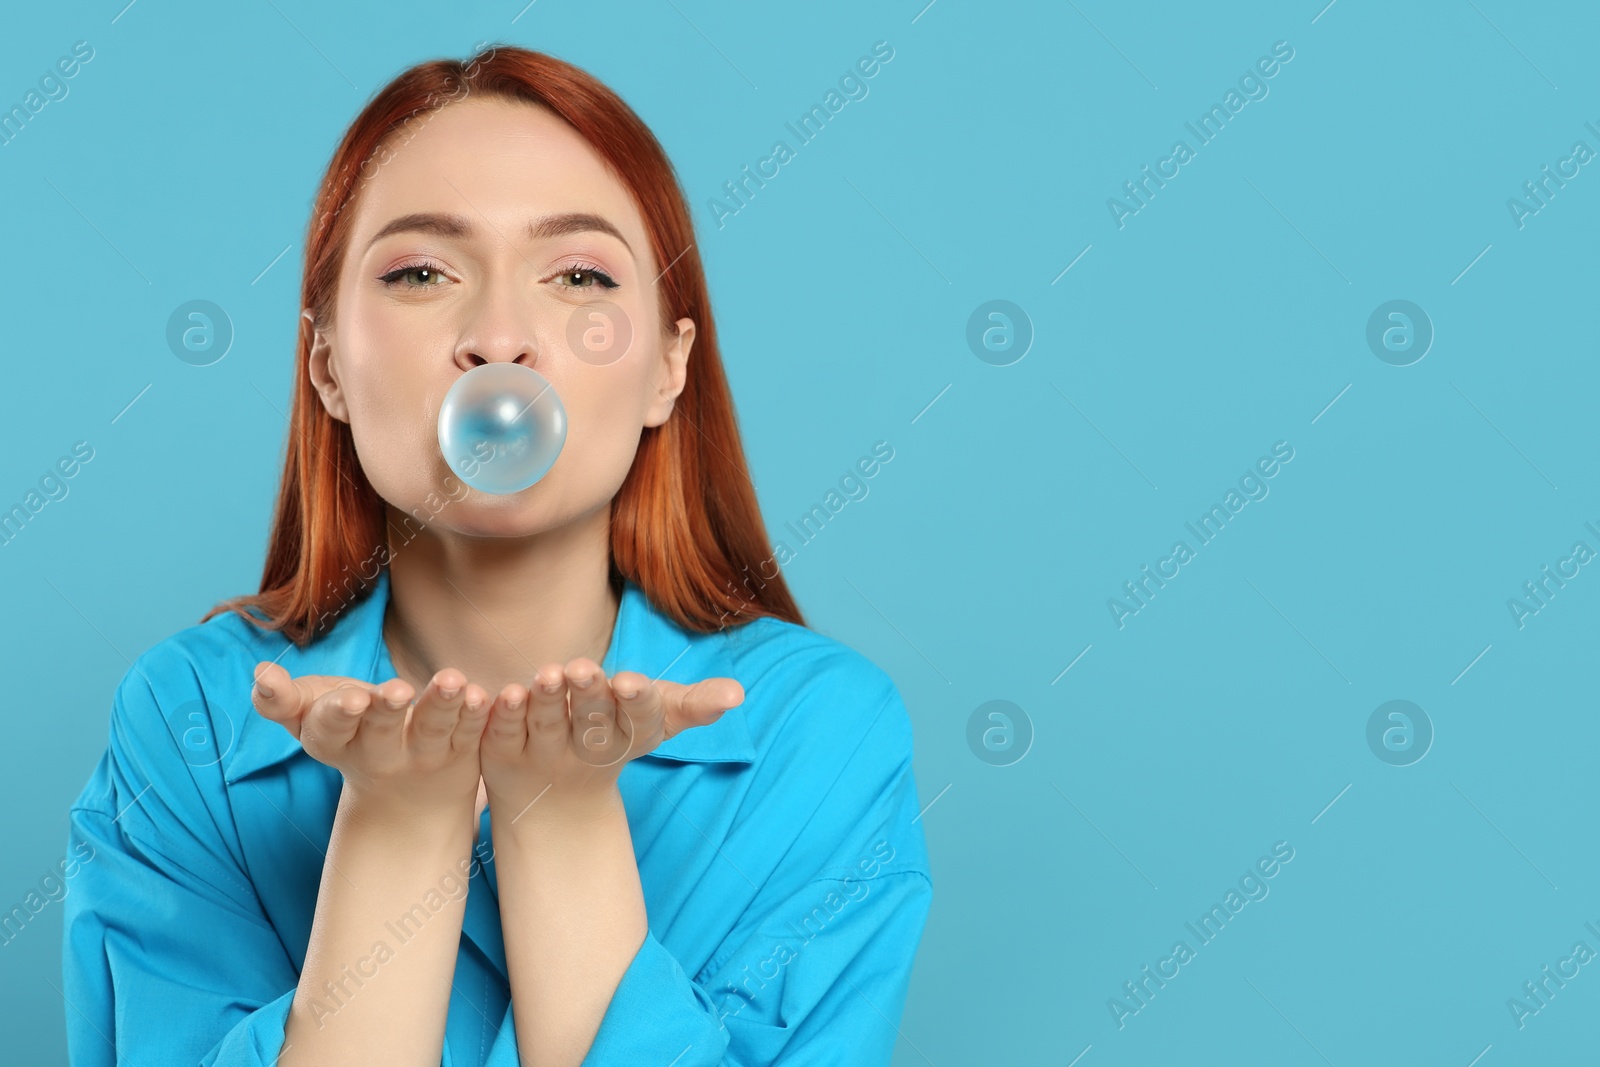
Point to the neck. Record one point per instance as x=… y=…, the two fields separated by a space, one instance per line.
x=497 y=609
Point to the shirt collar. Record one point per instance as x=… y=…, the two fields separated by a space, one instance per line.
x=643 y=639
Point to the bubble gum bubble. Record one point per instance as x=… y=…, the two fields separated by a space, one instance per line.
x=501 y=427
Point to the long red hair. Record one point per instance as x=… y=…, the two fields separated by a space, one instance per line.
x=684 y=525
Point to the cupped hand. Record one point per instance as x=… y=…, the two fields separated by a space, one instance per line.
x=563 y=741
x=397 y=755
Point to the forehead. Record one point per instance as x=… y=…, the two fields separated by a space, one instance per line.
x=490 y=158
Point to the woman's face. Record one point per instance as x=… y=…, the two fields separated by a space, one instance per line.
x=442 y=275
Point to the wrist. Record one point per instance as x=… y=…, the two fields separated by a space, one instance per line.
x=558 y=815
x=407 y=818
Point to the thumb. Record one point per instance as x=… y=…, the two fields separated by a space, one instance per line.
x=285 y=699
x=700 y=704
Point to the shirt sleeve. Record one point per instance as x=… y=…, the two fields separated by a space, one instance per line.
x=168 y=956
x=817 y=968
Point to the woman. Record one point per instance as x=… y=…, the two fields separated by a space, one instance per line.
x=636 y=812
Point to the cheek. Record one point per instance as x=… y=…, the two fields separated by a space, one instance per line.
x=399 y=451
x=386 y=360
x=394 y=411
x=603 y=426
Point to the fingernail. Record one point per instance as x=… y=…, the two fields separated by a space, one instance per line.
x=264 y=689
x=583 y=683
x=626 y=692
x=449 y=694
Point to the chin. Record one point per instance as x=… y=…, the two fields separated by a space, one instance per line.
x=493 y=515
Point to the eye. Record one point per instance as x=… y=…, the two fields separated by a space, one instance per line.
x=431 y=276
x=584 y=276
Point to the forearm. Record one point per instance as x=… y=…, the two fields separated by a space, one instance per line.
x=376 y=983
x=572 y=911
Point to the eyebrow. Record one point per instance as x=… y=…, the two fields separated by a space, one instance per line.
x=442 y=224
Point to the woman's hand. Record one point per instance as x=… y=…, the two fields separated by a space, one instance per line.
x=399 y=759
x=563 y=741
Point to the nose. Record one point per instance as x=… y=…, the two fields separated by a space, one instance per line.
x=497 y=333
x=473 y=354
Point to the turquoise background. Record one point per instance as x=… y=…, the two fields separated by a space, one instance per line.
x=1223 y=317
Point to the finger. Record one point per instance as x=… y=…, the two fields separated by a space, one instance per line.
x=507 y=731
x=640 y=711
x=700 y=704
x=285 y=699
x=436 y=712
x=387 y=716
x=595 y=734
x=333 y=718
x=548 y=730
x=276 y=696
x=475 y=704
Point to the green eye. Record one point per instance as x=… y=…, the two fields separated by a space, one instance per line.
x=430 y=274
x=573 y=278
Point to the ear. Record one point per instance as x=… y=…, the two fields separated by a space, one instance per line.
x=670 y=374
x=323 y=379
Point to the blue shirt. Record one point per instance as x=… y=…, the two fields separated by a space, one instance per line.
x=783 y=863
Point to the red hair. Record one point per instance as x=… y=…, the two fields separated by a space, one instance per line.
x=685 y=525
